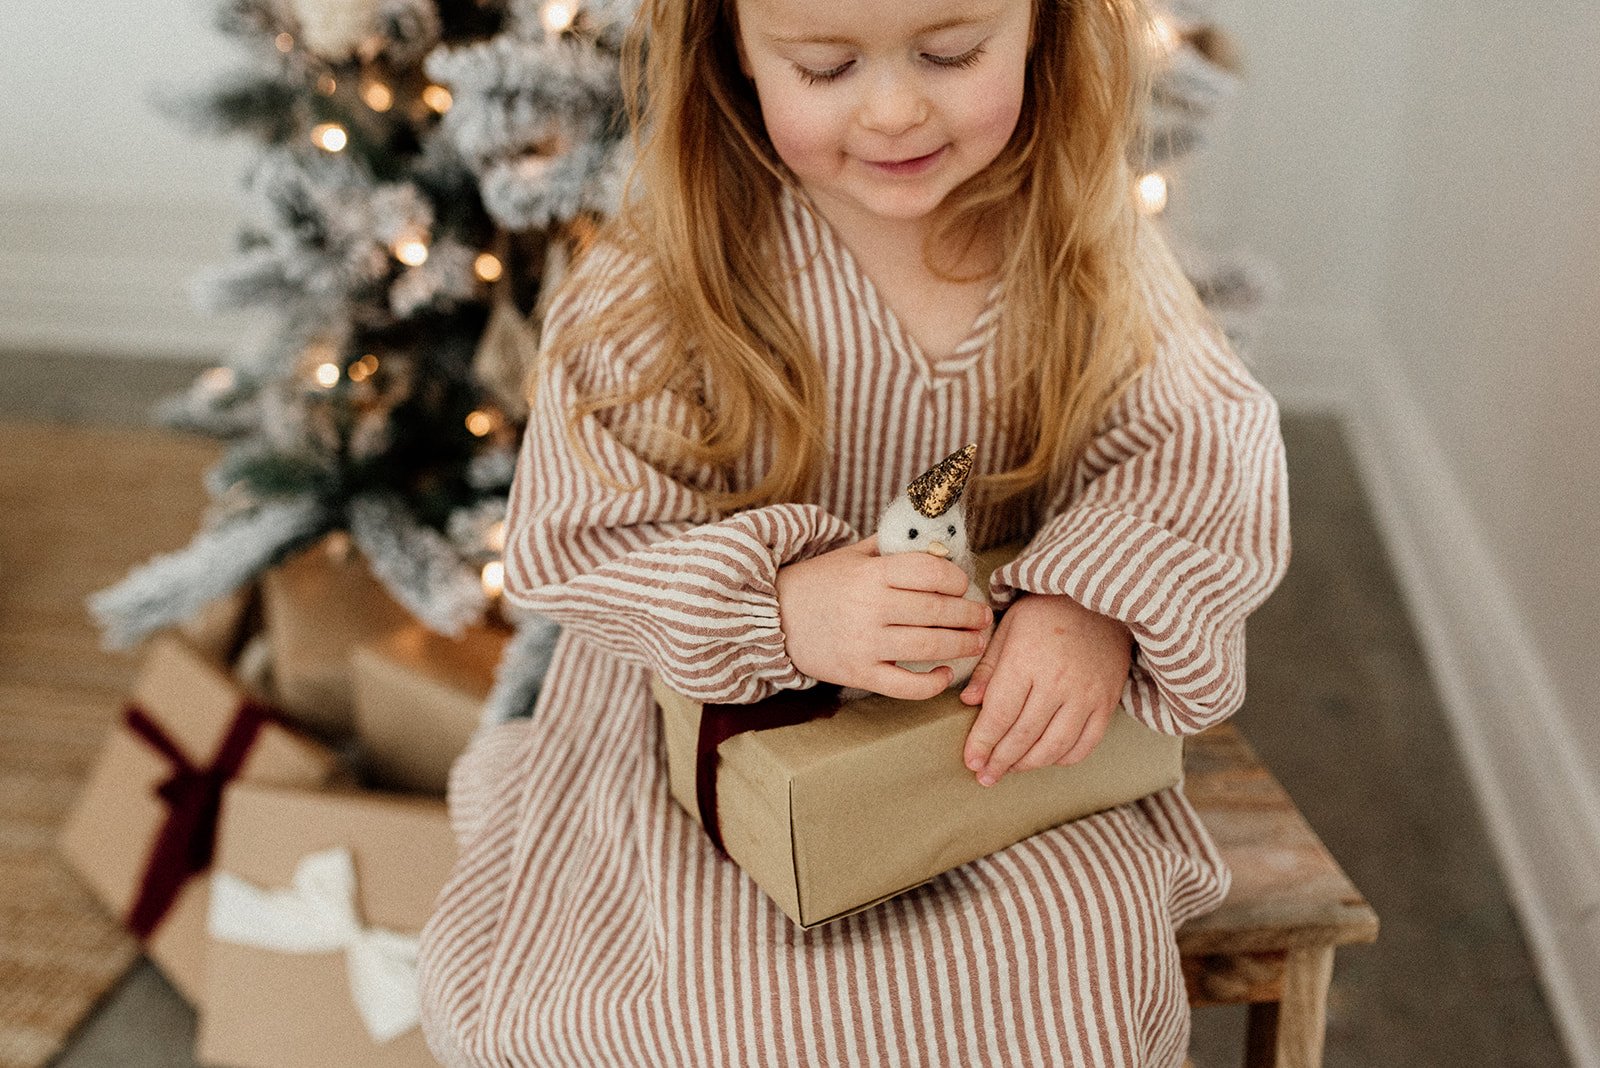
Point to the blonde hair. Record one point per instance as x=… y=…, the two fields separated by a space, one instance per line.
x=1075 y=331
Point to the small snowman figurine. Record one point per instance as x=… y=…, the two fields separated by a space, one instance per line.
x=930 y=517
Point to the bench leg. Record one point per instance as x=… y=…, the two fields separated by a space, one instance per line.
x=1290 y=1033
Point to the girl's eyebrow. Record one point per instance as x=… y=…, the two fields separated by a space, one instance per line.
x=944 y=24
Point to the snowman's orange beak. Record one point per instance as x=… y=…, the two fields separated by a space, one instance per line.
x=938 y=548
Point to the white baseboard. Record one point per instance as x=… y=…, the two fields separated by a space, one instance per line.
x=1542 y=809
x=109 y=278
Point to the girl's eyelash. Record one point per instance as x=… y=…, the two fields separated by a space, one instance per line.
x=817 y=77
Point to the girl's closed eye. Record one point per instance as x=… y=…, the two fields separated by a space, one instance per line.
x=965 y=59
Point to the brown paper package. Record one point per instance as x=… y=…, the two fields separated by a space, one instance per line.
x=419 y=697
x=834 y=816
x=117 y=817
x=319 y=605
x=266 y=1009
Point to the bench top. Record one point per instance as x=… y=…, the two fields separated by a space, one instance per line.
x=1288 y=892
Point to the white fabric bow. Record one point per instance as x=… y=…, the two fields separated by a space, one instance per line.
x=317 y=914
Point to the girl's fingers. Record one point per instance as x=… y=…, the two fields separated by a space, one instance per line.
x=931 y=643
x=1063 y=731
x=978 y=685
x=923 y=571
x=907 y=685
x=1093 y=732
x=1036 y=715
x=918 y=608
x=1003 y=703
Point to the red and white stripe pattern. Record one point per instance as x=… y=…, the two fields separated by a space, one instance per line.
x=590 y=923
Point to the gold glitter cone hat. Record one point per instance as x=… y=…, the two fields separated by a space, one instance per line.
x=936 y=489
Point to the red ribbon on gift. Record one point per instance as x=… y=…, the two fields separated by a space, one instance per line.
x=718 y=723
x=184 y=847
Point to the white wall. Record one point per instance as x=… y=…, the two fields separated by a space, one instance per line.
x=1426 y=174
x=108 y=207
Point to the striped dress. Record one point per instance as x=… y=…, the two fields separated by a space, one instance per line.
x=589 y=921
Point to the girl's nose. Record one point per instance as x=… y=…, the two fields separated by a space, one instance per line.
x=894 y=105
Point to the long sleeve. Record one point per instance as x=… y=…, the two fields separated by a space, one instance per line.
x=652 y=575
x=1177 y=520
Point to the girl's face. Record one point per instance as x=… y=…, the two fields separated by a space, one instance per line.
x=885 y=106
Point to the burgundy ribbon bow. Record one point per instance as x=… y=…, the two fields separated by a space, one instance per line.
x=193 y=795
x=718 y=723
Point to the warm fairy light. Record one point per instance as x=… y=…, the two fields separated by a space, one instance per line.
x=327 y=375
x=327 y=84
x=480 y=423
x=488 y=266
x=497 y=537
x=1152 y=194
x=218 y=379
x=329 y=136
x=411 y=251
x=285 y=43
x=494 y=578
x=363 y=368
x=558 y=16
x=1167 y=37
x=337 y=546
x=378 y=96
x=438 y=98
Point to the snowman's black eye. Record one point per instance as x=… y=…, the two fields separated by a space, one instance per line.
x=952 y=530
x=911 y=533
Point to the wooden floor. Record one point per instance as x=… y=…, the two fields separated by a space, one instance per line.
x=77 y=508
x=1340 y=707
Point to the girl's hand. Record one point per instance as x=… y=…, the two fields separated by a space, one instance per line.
x=1049 y=683
x=849 y=614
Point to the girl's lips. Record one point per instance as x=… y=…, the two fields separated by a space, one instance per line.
x=910 y=166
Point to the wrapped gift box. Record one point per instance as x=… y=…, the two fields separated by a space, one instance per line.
x=319 y=605
x=140 y=818
x=316 y=894
x=419 y=697
x=845 y=806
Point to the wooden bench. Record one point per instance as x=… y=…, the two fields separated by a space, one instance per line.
x=1270 y=944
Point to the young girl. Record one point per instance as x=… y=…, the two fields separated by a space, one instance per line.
x=866 y=234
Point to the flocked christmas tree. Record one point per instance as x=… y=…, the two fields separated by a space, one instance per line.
x=427 y=169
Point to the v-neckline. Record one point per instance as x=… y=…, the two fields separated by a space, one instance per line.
x=959 y=360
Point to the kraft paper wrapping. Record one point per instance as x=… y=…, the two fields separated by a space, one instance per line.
x=271 y=1009
x=833 y=816
x=419 y=697
x=318 y=608
x=109 y=836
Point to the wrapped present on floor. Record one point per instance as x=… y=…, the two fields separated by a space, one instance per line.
x=144 y=826
x=318 y=606
x=419 y=697
x=833 y=806
x=316 y=904
x=221 y=628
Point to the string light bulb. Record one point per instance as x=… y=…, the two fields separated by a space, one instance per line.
x=438 y=98
x=218 y=379
x=480 y=423
x=558 y=16
x=329 y=136
x=494 y=578
x=284 y=42
x=488 y=267
x=411 y=251
x=327 y=375
x=327 y=84
x=1166 y=38
x=1152 y=194
x=377 y=96
x=363 y=368
x=497 y=536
